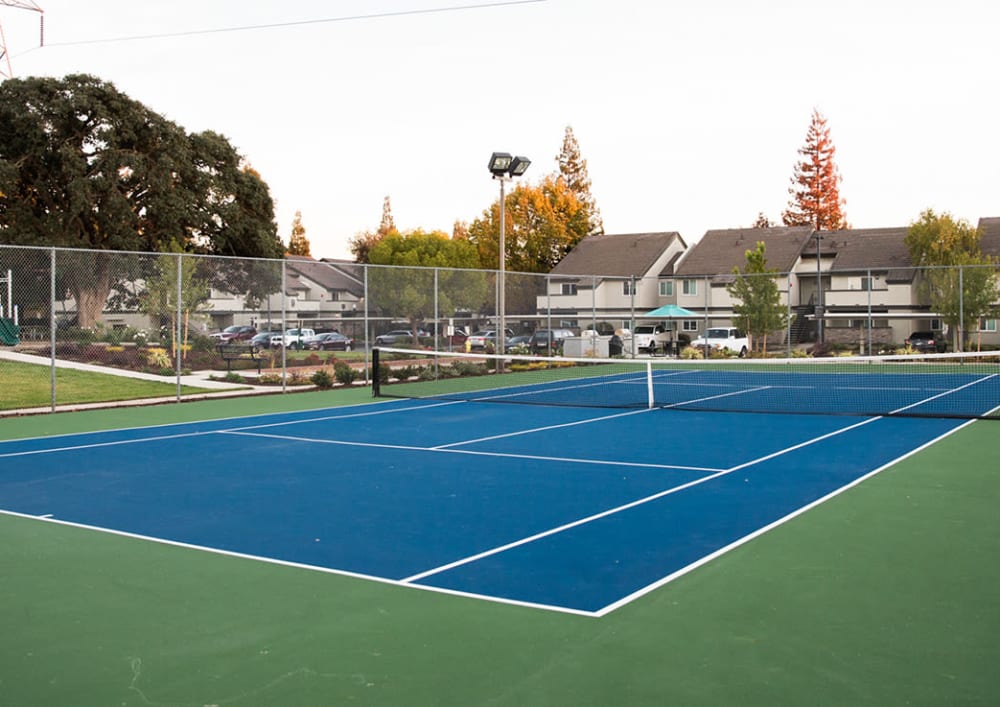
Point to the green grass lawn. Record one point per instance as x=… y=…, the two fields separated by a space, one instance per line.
x=27 y=385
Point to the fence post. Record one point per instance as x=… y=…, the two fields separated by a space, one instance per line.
x=52 y=328
x=871 y=286
x=788 y=315
x=368 y=361
x=284 y=325
x=179 y=342
x=961 y=309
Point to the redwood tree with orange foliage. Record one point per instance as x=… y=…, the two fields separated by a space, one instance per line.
x=815 y=186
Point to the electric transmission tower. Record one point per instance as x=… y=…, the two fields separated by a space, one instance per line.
x=6 y=71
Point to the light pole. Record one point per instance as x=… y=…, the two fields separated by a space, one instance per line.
x=504 y=167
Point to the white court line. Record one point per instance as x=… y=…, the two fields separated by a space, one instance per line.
x=299 y=565
x=341 y=417
x=947 y=392
x=472 y=452
x=542 y=429
x=550 y=387
x=618 y=509
x=715 y=397
x=770 y=526
x=198 y=433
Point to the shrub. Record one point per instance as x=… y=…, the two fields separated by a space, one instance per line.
x=269 y=379
x=690 y=353
x=158 y=358
x=296 y=378
x=321 y=379
x=233 y=377
x=469 y=368
x=344 y=373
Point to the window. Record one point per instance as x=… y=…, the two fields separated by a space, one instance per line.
x=936 y=325
x=689 y=287
x=867 y=284
x=689 y=325
x=987 y=324
x=569 y=288
x=628 y=288
x=666 y=288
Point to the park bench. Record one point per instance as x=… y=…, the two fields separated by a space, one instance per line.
x=239 y=352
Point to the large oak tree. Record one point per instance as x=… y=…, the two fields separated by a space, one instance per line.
x=84 y=166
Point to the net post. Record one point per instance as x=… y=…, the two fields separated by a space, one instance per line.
x=375 y=377
x=649 y=385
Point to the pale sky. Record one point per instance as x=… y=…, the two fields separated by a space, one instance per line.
x=689 y=114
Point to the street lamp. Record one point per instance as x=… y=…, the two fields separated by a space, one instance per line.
x=504 y=167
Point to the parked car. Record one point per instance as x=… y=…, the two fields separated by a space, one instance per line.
x=927 y=341
x=262 y=339
x=719 y=338
x=479 y=340
x=292 y=338
x=516 y=341
x=330 y=341
x=234 y=333
x=548 y=341
x=398 y=337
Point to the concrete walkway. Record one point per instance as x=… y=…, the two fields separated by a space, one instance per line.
x=198 y=379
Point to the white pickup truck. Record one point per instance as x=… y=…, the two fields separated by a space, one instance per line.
x=729 y=338
x=292 y=338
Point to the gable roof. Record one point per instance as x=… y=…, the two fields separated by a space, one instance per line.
x=618 y=255
x=719 y=251
x=335 y=276
x=869 y=248
x=990 y=229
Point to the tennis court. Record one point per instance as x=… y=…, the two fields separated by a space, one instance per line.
x=574 y=509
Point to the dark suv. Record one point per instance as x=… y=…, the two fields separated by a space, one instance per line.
x=926 y=341
x=545 y=341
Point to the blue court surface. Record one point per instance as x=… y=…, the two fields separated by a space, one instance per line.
x=571 y=509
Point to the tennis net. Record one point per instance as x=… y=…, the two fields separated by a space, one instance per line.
x=961 y=385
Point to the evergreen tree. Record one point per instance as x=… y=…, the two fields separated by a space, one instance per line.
x=362 y=243
x=815 y=186
x=387 y=225
x=298 y=244
x=573 y=171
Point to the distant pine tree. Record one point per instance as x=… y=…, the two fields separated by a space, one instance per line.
x=387 y=225
x=815 y=186
x=573 y=171
x=298 y=244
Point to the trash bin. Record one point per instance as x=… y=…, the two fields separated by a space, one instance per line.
x=615 y=346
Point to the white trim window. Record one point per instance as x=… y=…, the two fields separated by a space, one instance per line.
x=628 y=288
x=689 y=287
x=689 y=325
x=569 y=289
x=666 y=288
x=987 y=324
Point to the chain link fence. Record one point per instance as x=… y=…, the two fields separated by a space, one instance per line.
x=165 y=315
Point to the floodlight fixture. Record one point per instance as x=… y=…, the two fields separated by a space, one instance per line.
x=500 y=163
x=518 y=166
